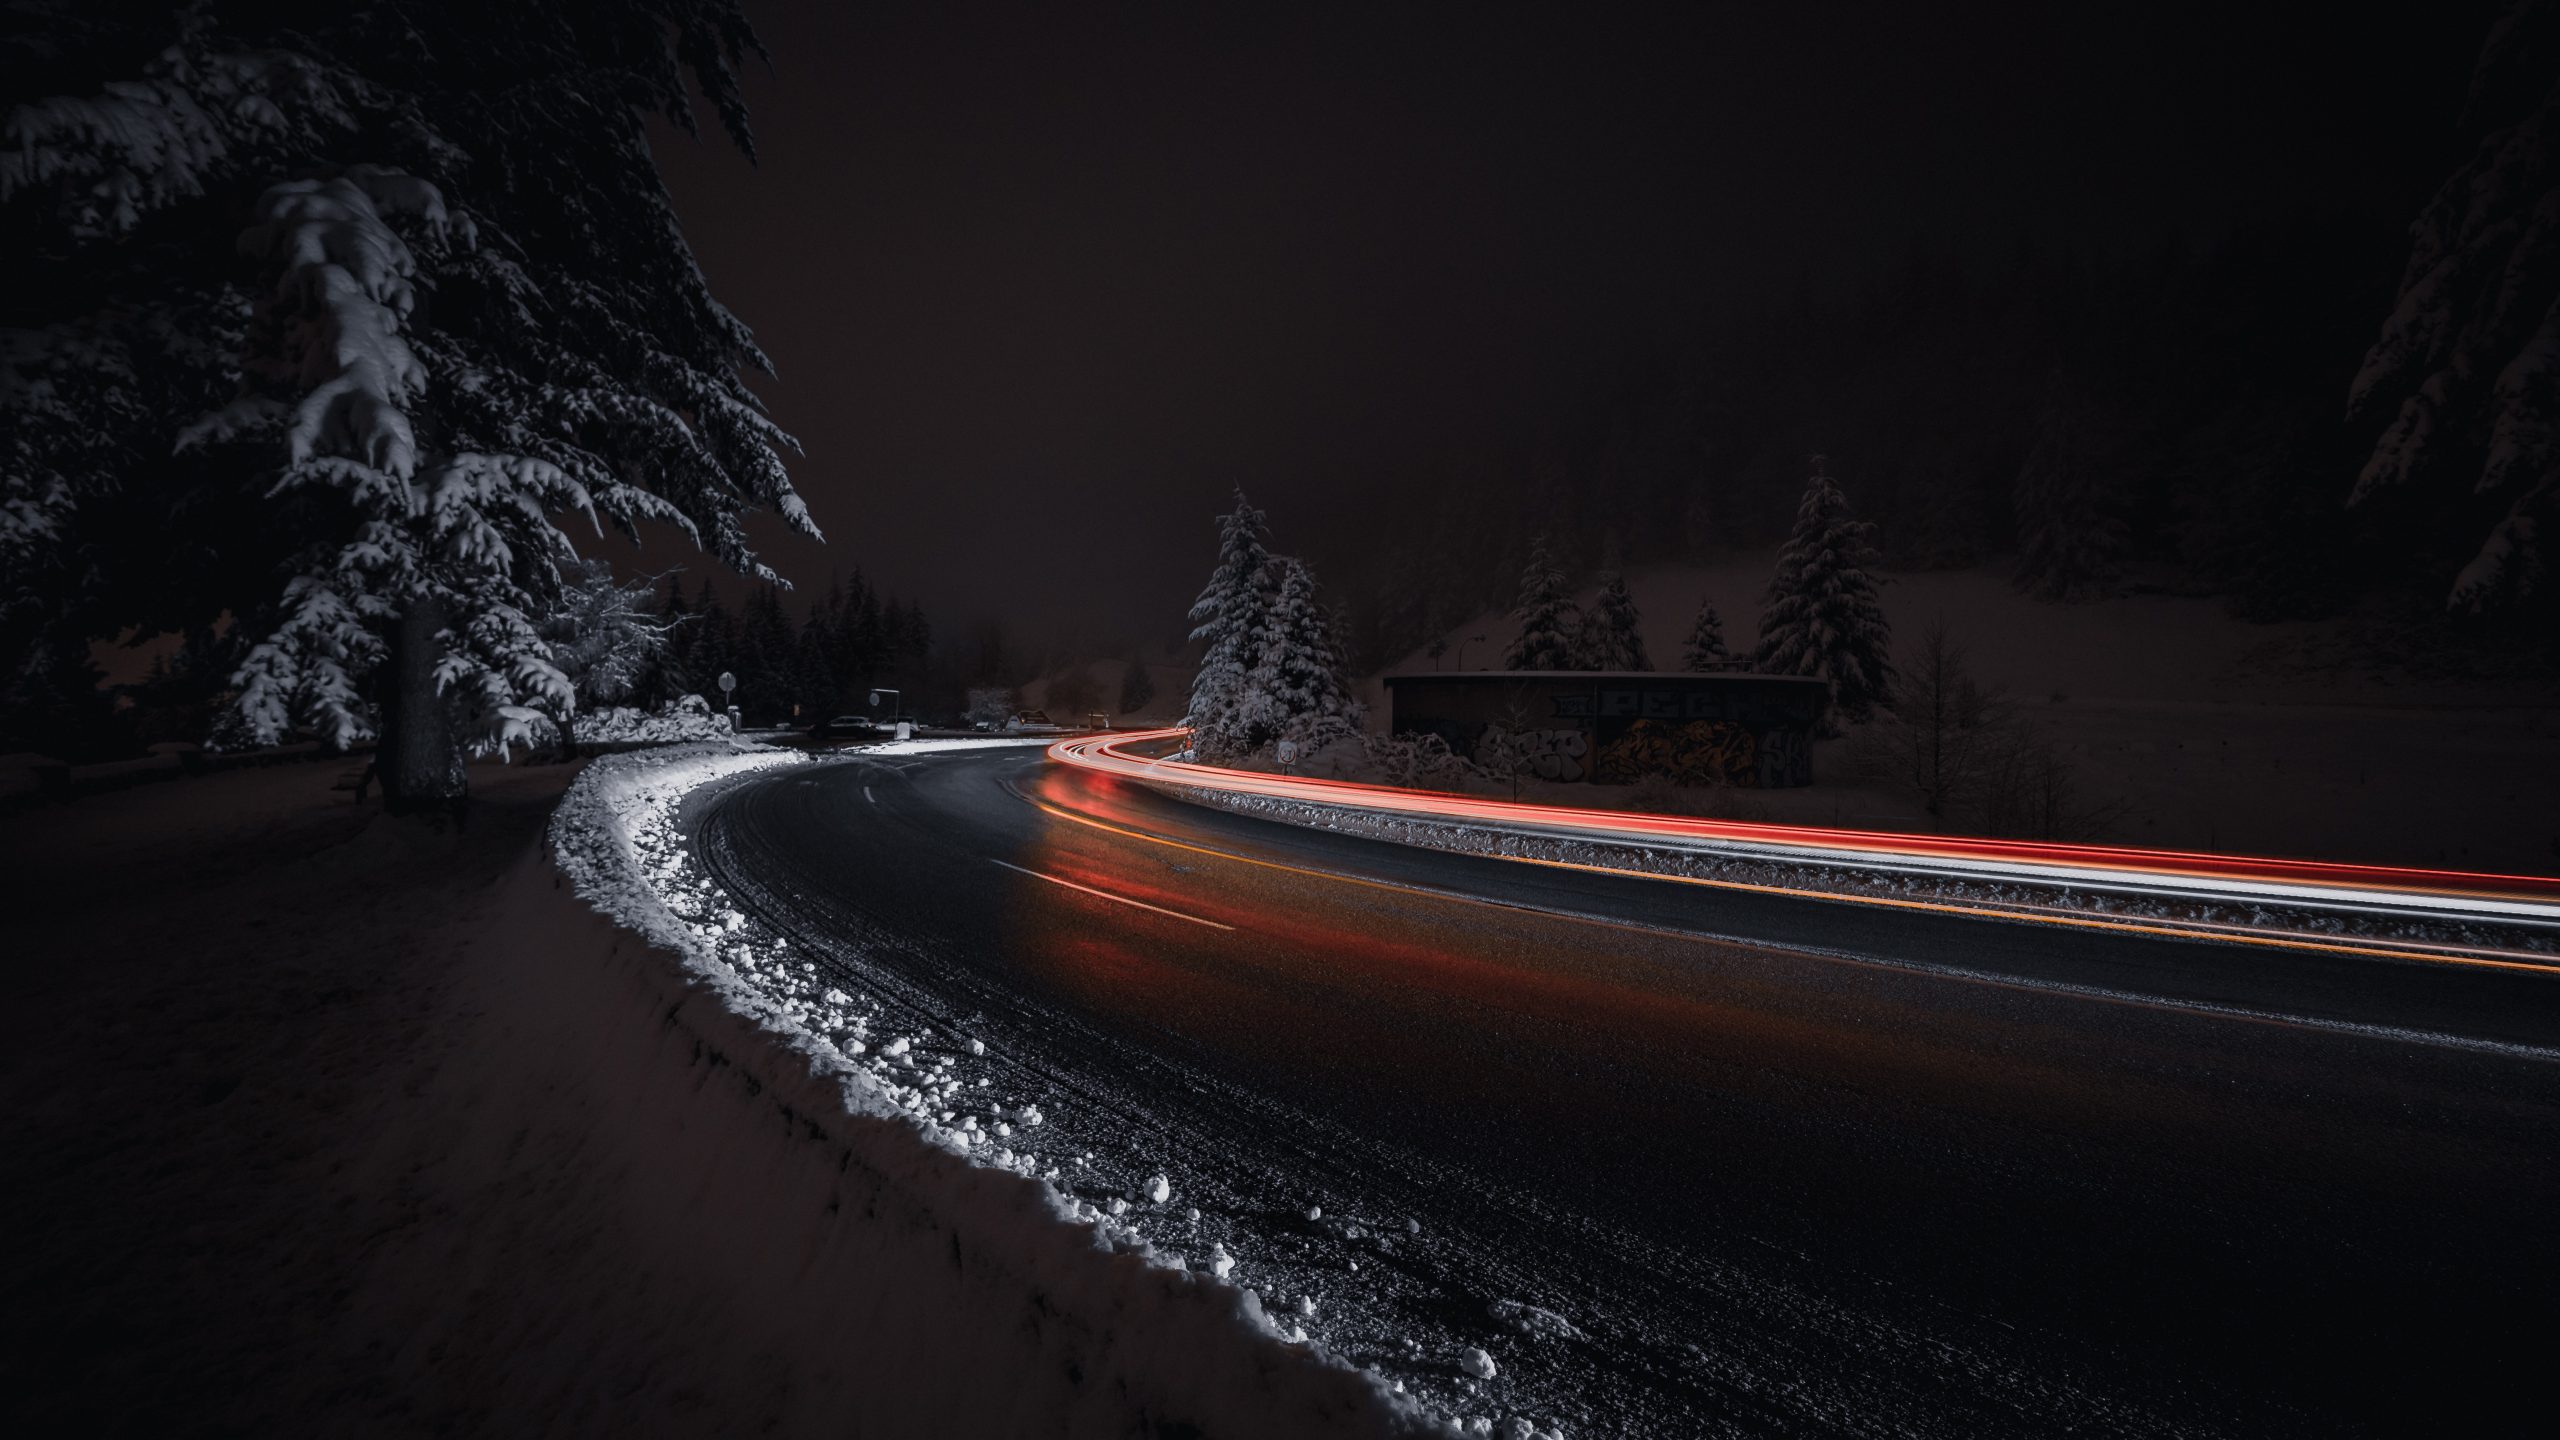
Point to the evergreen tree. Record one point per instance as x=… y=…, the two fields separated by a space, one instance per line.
x=602 y=638
x=466 y=312
x=1821 y=616
x=1705 y=649
x=2469 y=361
x=1613 y=636
x=2068 y=543
x=1297 y=671
x=1137 y=688
x=1550 y=623
x=1228 y=619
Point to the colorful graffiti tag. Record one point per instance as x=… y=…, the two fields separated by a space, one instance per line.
x=1700 y=752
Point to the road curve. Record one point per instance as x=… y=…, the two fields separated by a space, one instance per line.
x=1720 y=1162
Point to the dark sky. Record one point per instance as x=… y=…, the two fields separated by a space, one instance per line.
x=1043 y=282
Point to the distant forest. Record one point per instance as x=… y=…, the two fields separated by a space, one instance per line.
x=2170 y=421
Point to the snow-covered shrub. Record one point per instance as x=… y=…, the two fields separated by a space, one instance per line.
x=990 y=706
x=690 y=718
x=604 y=634
x=1418 y=760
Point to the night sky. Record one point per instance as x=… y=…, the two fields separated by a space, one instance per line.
x=1042 y=286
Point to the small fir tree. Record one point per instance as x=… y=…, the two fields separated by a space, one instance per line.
x=1297 y=673
x=1821 y=616
x=1613 y=636
x=1550 y=623
x=1705 y=649
x=1228 y=620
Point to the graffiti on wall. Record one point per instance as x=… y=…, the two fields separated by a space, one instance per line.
x=1699 y=752
x=1555 y=754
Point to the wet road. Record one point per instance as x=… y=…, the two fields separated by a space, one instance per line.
x=1776 y=1166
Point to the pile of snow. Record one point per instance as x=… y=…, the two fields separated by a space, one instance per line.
x=690 y=718
x=927 y=747
x=916 y=1231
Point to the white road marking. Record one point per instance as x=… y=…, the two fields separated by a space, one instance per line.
x=1107 y=895
x=867 y=795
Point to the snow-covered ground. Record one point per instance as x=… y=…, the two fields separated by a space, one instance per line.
x=364 y=1126
x=2358 y=738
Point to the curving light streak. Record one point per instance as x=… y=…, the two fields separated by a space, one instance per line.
x=2532 y=901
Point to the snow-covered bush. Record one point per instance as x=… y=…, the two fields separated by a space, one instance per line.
x=990 y=706
x=690 y=718
x=1418 y=760
x=604 y=634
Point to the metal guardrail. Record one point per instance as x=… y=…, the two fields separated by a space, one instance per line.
x=2444 y=895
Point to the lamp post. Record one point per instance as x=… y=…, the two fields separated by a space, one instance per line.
x=1462 y=651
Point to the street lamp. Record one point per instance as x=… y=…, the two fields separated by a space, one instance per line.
x=1462 y=651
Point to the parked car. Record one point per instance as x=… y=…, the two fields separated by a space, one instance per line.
x=844 y=727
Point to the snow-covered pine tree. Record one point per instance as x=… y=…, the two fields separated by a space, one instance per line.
x=2068 y=544
x=468 y=311
x=1613 y=634
x=1228 y=620
x=2468 y=363
x=603 y=637
x=1297 y=672
x=1821 y=616
x=1550 y=623
x=1705 y=648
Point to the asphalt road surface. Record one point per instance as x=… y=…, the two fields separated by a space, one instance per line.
x=1706 y=1162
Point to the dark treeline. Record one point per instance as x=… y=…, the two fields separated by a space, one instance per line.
x=2175 y=420
x=801 y=671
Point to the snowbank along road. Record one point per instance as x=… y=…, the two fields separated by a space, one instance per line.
x=1644 y=1158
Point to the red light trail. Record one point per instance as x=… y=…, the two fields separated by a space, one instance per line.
x=2525 y=900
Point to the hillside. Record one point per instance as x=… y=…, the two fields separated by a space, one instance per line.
x=2352 y=739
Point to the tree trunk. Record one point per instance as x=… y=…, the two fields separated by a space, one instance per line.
x=420 y=757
